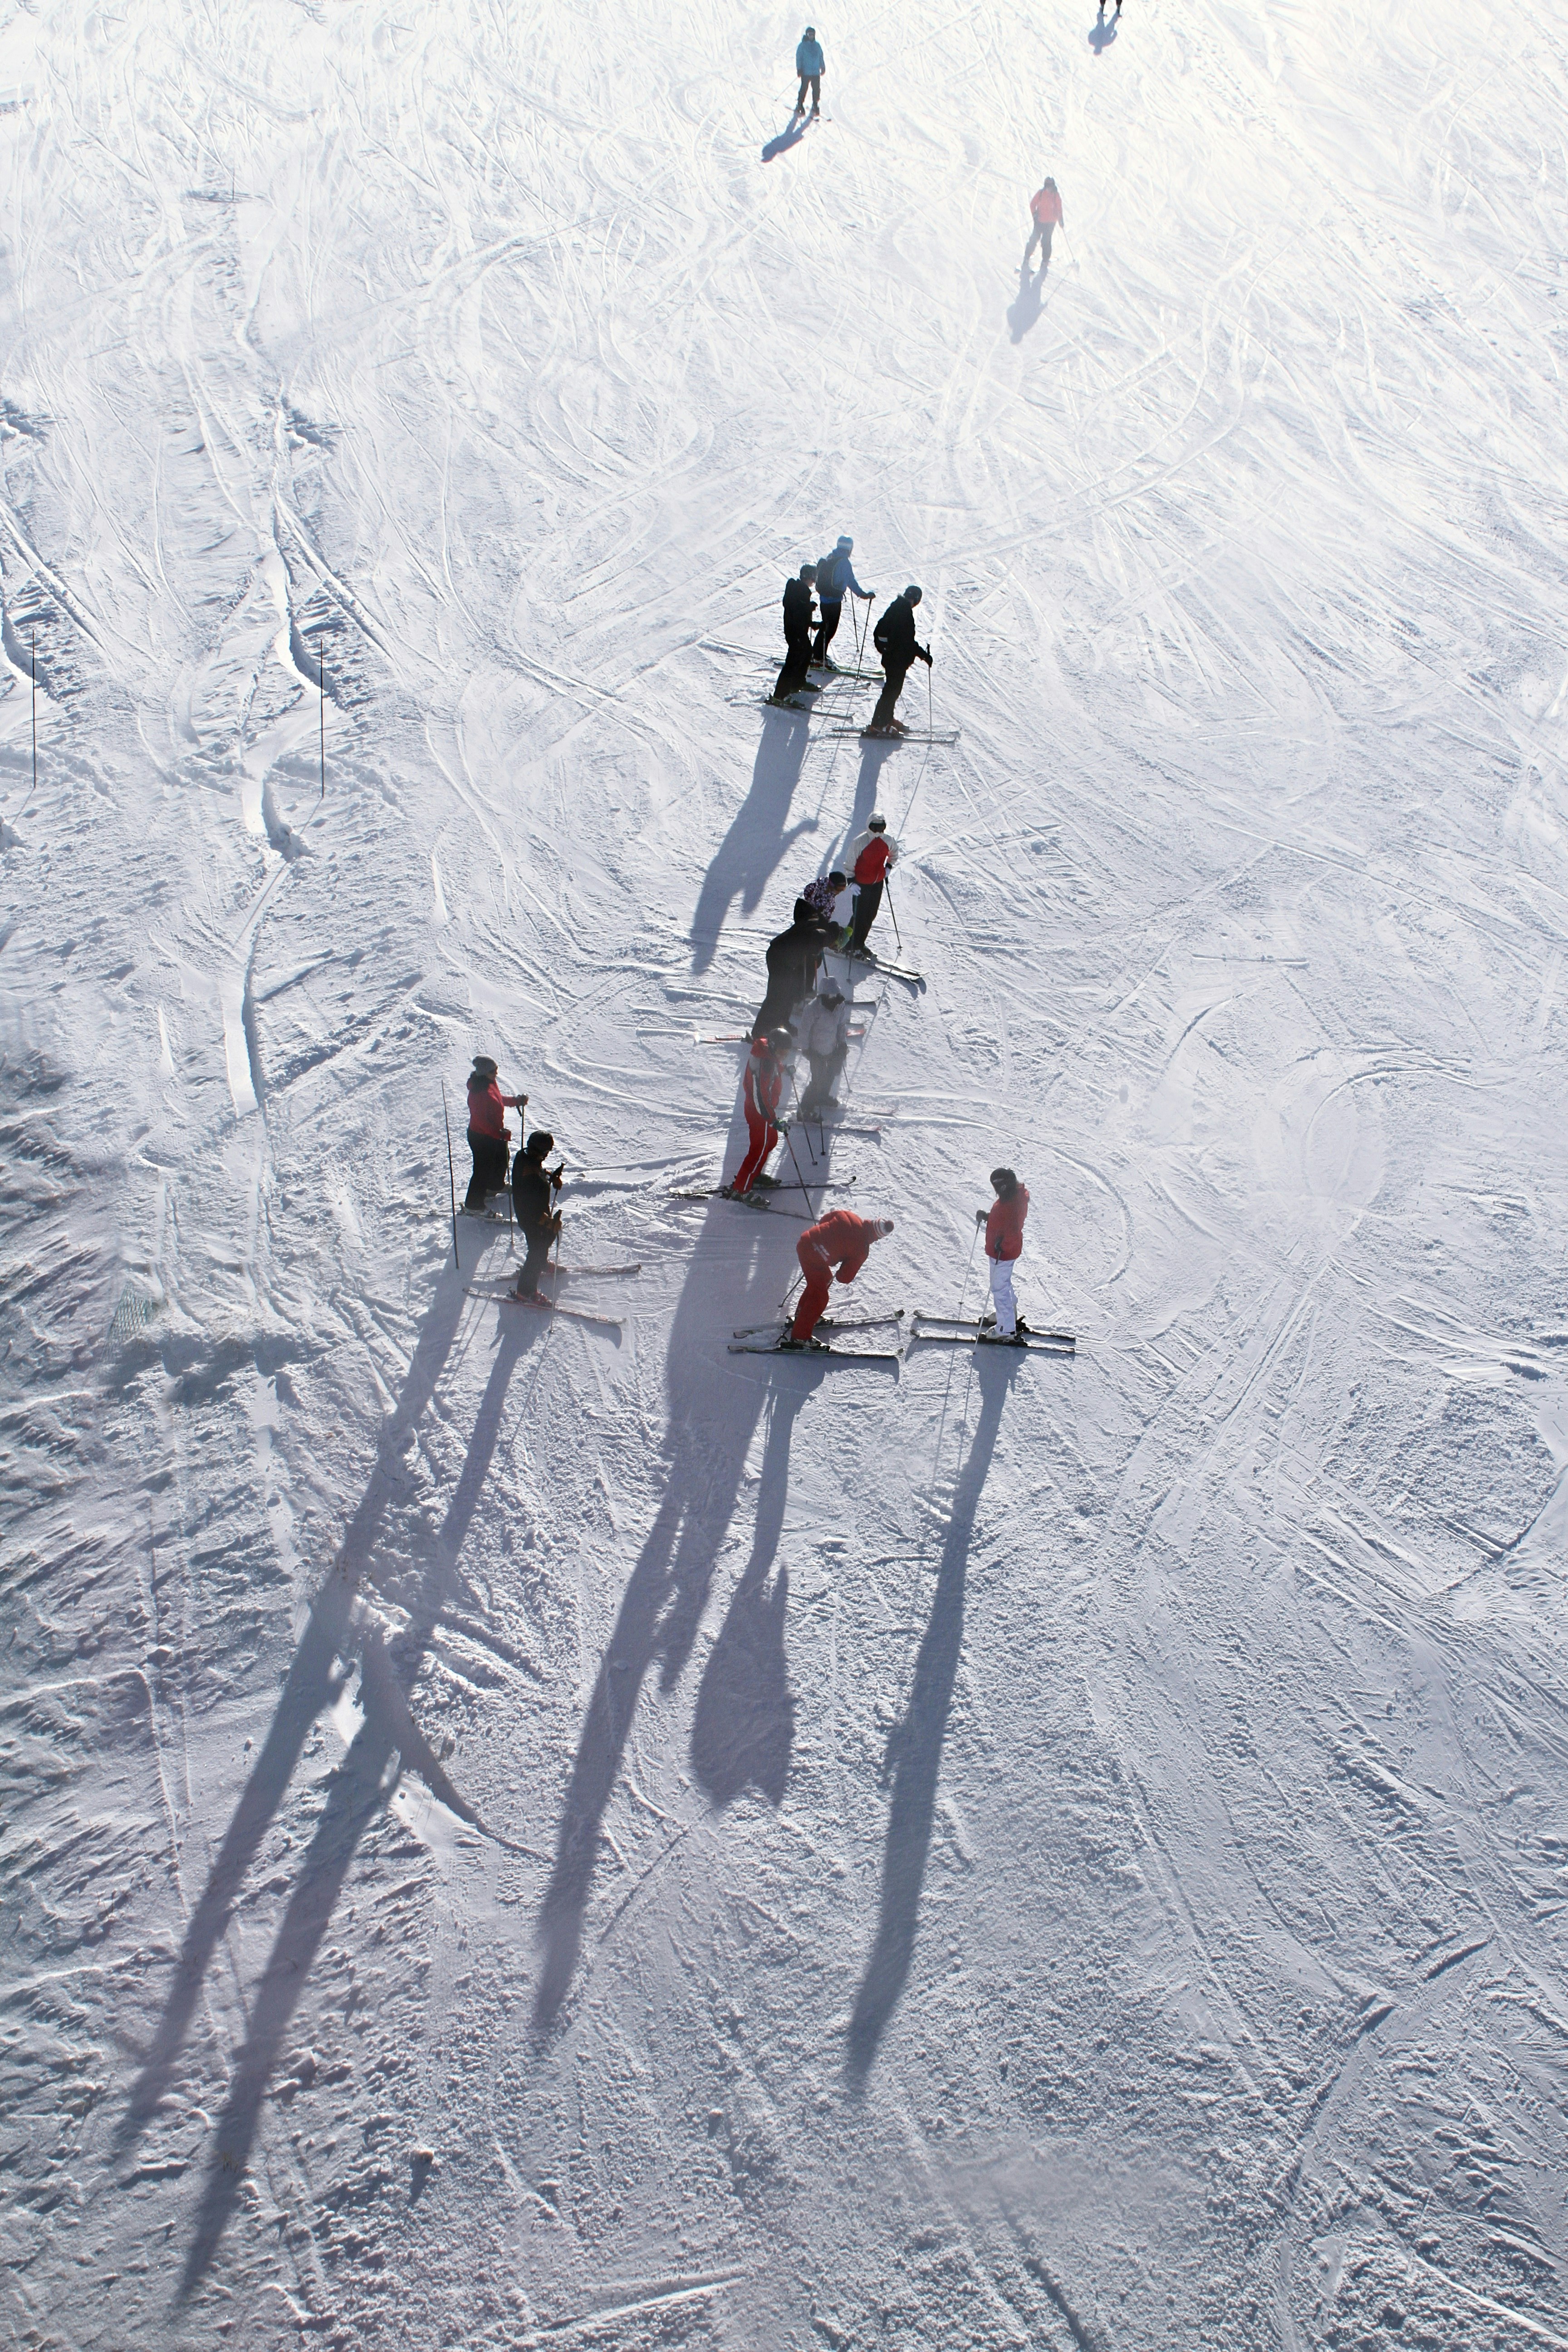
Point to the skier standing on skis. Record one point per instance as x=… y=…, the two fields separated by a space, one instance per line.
x=825 y=1034
x=894 y=638
x=760 y=1092
x=533 y=1190
x=1003 y=1223
x=835 y=580
x=793 y=959
x=488 y=1134
x=873 y=855
x=1046 y=209
x=841 y=1241
x=797 y=634
x=823 y=895
x=810 y=65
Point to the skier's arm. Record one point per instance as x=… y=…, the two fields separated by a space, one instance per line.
x=855 y=585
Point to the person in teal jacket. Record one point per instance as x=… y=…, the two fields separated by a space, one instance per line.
x=809 y=66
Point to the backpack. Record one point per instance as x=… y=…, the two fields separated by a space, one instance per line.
x=879 y=633
x=828 y=591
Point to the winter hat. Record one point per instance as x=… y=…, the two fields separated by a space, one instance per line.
x=912 y=592
x=539 y=1143
x=845 y=539
x=836 y=880
x=833 y=993
x=803 y=910
x=884 y=1224
x=483 y=1067
x=876 y=825
x=1006 y=1180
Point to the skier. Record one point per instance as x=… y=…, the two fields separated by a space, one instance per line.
x=1046 y=209
x=797 y=634
x=841 y=1239
x=810 y=66
x=488 y=1134
x=1003 y=1223
x=835 y=580
x=538 y=1221
x=894 y=639
x=823 y=895
x=874 y=855
x=760 y=1092
x=793 y=959
x=825 y=1034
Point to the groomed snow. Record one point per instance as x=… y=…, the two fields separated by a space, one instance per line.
x=961 y=1853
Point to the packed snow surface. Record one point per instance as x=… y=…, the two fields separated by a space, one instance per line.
x=522 y=1830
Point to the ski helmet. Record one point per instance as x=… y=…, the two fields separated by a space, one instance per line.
x=912 y=594
x=1006 y=1180
x=539 y=1143
x=876 y=824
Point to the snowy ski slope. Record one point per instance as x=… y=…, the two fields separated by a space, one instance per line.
x=527 y=1831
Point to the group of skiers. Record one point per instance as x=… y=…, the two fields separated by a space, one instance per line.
x=894 y=638
x=533 y=1185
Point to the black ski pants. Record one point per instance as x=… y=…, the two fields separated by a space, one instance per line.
x=867 y=906
x=792 y=676
x=1043 y=231
x=827 y=628
x=814 y=83
x=887 y=700
x=539 y=1239
x=490 y=1169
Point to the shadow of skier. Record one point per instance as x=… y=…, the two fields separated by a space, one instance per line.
x=742 y=1729
x=914 y=1747
x=1025 y=309
x=780 y=143
x=1101 y=35
x=759 y=839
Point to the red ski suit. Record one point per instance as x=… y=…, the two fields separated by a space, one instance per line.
x=487 y=1110
x=1004 y=1225
x=761 y=1089
x=1046 y=207
x=840 y=1239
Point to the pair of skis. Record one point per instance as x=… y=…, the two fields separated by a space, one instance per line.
x=941 y=1330
x=955 y=1331
x=504 y=1295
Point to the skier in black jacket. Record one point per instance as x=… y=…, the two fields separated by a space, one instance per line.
x=797 y=634
x=533 y=1188
x=895 y=641
x=793 y=959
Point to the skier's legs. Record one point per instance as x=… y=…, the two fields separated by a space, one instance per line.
x=792 y=676
x=490 y=1169
x=1046 y=233
x=1002 y=1297
x=816 y=92
x=825 y=1071
x=539 y=1238
x=813 y=1297
x=827 y=628
x=867 y=907
x=800 y=101
x=1030 y=249
x=887 y=700
x=764 y=1136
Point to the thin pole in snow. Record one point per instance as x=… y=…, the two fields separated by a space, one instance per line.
x=33 y=665
x=451 y=1177
x=321 y=697
x=894 y=913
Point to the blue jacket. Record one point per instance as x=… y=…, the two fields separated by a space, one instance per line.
x=835 y=579
x=809 y=57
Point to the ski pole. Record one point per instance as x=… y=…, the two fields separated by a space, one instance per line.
x=894 y=913
x=451 y=1177
x=968 y=1261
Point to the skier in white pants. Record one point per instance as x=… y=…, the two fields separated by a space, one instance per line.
x=1003 y=1223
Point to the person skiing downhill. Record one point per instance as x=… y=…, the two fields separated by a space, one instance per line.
x=873 y=855
x=840 y=1240
x=760 y=1092
x=1045 y=210
x=793 y=959
x=825 y=1034
x=835 y=580
x=797 y=634
x=488 y=1134
x=533 y=1187
x=894 y=639
x=810 y=65
x=1003 y=1223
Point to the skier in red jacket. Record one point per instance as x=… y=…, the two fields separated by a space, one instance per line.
x=873 y=855
x=1046 y=209
x=1003 y=1223
x=760 y=1092
x=488 y=1134
x=840 y=1240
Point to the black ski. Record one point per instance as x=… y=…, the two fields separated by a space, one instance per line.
x=862 y=1323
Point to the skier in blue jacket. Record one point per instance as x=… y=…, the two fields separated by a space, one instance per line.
x=835 y=580
x=809 y=66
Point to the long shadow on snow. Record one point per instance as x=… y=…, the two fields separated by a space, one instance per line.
x=914 y=1747
x=759 y=837
x=713 y=1415
x=744 y=1726
x=1025 y=308
x=363 y=1785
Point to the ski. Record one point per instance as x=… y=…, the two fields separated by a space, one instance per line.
x=749 y=1201
x=718 y=1193
x=888 y=970
x=582 y=1272
x=485 y=1216
x=815 y=1354
x=503 y=1297
x=868 y=735
x=949 y=1332
x=972 y=1323
x=859 y=1323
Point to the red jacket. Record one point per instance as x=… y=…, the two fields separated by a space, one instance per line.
x=1004 y=1225
x=1046 y=207
x=840 y=1239
x=487 y=1110
x=873 y=862
x=763 y=1082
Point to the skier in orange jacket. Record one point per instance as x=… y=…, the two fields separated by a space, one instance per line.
x=841 y=1239
x=1003 y=1223
x=1046 y=209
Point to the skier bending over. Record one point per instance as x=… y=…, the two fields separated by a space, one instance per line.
x=841 y=1239
x=760 y=1092
x=874 y=854
x=823 y=895
x=797 y=634
x=793 y=959
x=894 y=639
x=1003 y=1223
x=488 y=1134
x=1046 y=208
x=810 y=65
x=533 y=1187
x=825 y=1034
x=835 y=580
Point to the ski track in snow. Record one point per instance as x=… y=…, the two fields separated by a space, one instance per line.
x=522 y=1830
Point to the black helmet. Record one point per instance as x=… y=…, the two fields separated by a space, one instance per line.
x=1006 y=1180
x=540 y=1144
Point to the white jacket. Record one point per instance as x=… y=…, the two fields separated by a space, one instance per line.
x=826 y=1028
